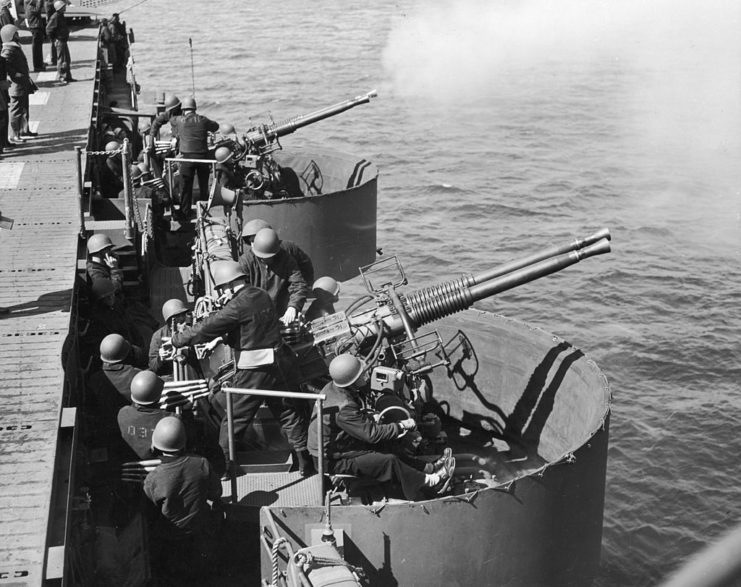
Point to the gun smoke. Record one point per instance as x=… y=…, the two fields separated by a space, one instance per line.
x=667 y=73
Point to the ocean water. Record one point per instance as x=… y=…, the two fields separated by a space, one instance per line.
x=503 y=127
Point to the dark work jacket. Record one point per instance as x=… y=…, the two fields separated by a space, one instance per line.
x=305 y=266
x=17 y=66
x=56 y=28
x=97 y=269
x=33 y=11
x=192 y=130
x=5 y=18
x=137 y=423
x=159 y=121
x=280 y=277
x=164 y=368
x=248 y=321
x=348 y=431
x=111 y=389
x=179 y=488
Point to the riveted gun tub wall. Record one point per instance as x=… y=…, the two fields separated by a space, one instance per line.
x=546 y=406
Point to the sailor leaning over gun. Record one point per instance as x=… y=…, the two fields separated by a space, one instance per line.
x=249 y=324
x=269 y=267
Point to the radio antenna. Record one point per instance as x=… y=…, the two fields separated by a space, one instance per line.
x=192 y=68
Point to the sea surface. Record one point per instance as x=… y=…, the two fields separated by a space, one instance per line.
x=503 y=127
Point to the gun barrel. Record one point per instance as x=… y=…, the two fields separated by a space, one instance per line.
x=262 y=135
x=443 y=299
x=537 y=270
x=575 y=245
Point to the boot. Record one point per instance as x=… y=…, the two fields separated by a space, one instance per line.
x=305 y=463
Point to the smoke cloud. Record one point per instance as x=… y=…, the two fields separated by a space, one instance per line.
x=668 y=72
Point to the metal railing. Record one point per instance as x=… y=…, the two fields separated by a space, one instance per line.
x=232 y=465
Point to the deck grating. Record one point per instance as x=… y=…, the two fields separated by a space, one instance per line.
x=38 y=189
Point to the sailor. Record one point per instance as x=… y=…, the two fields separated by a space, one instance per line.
x=354 y=441
x=118 y=38
x=226 y=173
x=21 y=85
x=5 y=16
x=175 y=312
x=111 y=173
x=152 y=188
x=250 y=325
x=326 y=292
x=111 y=385
x=305 y=266
x=4 y=105
x=109 y=315
x=138 y=420
x=172 y=109
x=49 y=9
x=269 y=267
x=33 y=10
x=192 y=131
x=58 y=33
x=185 y=524
x=102 y=263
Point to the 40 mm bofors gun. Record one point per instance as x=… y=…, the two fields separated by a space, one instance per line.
x=387 y=332
x=263 y=177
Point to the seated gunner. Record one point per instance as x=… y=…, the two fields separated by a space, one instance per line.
x=353 y=440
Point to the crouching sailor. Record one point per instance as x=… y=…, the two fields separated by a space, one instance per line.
x=354 y=440
x=250 y=326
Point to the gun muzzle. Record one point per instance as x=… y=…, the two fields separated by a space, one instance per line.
x=575 y=245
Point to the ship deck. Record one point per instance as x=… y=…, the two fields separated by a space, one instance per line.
x=38 y=262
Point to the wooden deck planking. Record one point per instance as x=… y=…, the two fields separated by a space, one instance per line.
x=38 y=189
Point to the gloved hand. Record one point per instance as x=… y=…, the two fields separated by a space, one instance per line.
x=289 y=316
x=166 y=351
x=408 y=424
x=111 y=261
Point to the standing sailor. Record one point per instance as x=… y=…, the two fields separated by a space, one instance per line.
x=249 y=323
x=21 y=83
x=192 y=131
x=34 y=11
x=58 y=33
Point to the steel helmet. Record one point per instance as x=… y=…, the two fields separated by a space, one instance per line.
x=327 y=284
x=345 y=369
x=266 y=243
x=146 y=388
x=112 y=146
x=189 y=103
x=169 y=435
x=226 y=129
x=225 y=272
x=8 y=32
x=60 y=5
x=172 y=308
x=135 y=172
x=253 y=227
x=98 y=242
x=114 y=348
x=171 y=102
x=102 y=288
x=223 y=154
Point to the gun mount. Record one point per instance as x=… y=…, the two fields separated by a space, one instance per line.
x=397 y=317
x=264 y=138
x=253 y=168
